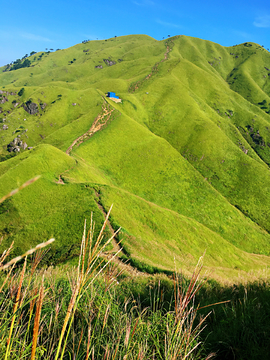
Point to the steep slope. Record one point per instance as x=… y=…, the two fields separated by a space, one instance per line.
x=190 y=137
x=47 y=208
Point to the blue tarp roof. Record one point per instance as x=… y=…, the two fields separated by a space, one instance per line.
x=112 y=94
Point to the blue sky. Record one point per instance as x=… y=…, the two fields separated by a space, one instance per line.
x=37 y=25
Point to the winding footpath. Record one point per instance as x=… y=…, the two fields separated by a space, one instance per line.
x=100 y=121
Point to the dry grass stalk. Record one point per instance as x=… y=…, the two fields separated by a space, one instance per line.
x=6 y=253
x=128 y=328
x=13 y=192
x=15 y=310
x=6 y=278
x=86 y=274
x=88 y=342
x=29 y=252
x=181 y=336
x=67 y=317
x=37 y=320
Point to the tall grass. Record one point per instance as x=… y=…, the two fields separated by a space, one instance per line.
x=78 y=313
x=239 y=329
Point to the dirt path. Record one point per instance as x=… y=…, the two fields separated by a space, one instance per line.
x=100 y=121
x=155 y=69
x=60 y=179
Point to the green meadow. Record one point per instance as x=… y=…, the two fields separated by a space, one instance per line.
x=184 y=158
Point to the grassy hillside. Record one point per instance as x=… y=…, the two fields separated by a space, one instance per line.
x=184 y=158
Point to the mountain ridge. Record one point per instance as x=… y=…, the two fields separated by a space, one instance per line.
x=191 y=135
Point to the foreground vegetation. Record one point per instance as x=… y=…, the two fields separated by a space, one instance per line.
x=97 y=311
x=72 y=312
x=49 y=314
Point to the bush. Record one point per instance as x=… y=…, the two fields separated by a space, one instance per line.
x=21 y=92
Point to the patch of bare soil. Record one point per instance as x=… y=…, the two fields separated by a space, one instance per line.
x=100 y=121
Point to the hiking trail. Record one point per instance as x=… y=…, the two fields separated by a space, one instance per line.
x=100 y=121
x=135 y=86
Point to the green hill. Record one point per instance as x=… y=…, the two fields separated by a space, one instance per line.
x=184 y=157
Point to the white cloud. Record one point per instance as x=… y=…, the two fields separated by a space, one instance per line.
x=262 y=21
x=168 y=24
x=34 y=37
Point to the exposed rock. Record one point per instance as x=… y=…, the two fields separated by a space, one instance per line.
x=31 y=108
x=5 y=127
x=74 y=104
x=16 y=104
x=11 y=144
x=13 y=148
x=3 y=100
x=16 y=145
x=30 y=147
x=109 y=62
x=43 y=105
x=99 y=67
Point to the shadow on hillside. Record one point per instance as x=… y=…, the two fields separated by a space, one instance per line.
x=236 y=330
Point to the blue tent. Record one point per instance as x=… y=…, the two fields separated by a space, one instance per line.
x=112 y=95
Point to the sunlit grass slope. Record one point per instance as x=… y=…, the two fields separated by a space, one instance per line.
x=47 y=208
x=152 y=169
x=191 y=137
x=165 y=239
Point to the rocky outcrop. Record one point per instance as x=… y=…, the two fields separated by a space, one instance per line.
x=31 y=107
x=3 y=100
x=16 y=145
x=109 y=62
x=8 y=93
x=42 y=106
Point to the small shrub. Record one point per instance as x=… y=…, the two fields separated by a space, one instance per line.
x=21 y=92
